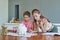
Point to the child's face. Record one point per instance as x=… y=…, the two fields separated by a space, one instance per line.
x=26 y=18
x=36 y=16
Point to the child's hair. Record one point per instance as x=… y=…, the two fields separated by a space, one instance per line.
x=42 y=17
x=35 y=10
x=26 y=13
x=38 y=13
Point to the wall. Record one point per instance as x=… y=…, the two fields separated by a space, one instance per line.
x=3 y=11
x=11 y=7
x=49 y=8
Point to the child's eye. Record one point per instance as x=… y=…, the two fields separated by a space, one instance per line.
x=35 y=16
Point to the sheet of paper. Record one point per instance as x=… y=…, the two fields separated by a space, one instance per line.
x=31 y=34
x=51 y=33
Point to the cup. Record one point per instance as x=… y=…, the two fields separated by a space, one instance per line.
x=14 y=29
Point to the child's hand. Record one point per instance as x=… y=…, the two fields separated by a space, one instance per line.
x=41 y=23
x=29 y=30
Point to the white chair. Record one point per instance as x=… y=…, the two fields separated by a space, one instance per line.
x=10 y=26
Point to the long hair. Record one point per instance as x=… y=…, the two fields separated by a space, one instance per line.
x=42 y=17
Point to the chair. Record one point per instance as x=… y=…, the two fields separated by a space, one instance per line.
x=55 y=29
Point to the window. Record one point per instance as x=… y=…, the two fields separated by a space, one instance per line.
x=17 y=11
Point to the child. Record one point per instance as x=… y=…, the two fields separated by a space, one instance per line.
x=27 y=22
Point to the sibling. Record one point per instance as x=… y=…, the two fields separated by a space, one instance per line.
x=27 y=22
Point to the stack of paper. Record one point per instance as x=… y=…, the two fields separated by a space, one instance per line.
x=25 y=35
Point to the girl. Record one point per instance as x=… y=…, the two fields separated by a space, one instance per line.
x=27 y=22
x=41 y=23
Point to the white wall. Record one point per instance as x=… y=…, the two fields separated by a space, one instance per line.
x=3 y=11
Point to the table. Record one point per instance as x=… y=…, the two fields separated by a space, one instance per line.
x=37 y=37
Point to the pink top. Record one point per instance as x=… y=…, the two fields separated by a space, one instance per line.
x=28 y=24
